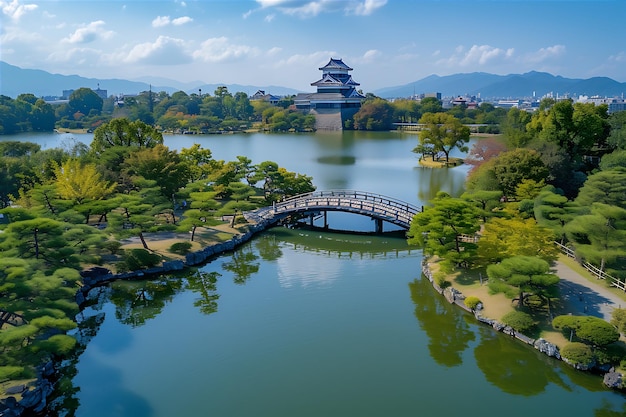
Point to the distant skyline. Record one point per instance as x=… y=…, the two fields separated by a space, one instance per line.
x=284 y=42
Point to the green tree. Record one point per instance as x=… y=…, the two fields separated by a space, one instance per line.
x=375 y=114
x=529 y=274
x=161 y=165
x=607 y=187
x=122 y=132
x=444 y=132
x=617 y=137
x=600 y=236
x=514 y=128
x=512 y=167
x=443 y=229
x=84 y=100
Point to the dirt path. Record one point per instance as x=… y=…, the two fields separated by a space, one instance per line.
x=582 y=296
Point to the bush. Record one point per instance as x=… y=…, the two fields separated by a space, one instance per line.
x=180 y=248
x=577 y=353
x=440 y=280
x=472 y=302
x=113 y=246
x=519 y=321
x=10 y=372
x=135 y=259
x=589 y=329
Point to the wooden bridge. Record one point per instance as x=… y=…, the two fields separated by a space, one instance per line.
x=376 y=206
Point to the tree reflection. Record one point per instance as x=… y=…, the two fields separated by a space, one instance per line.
x=447 y=330
x=204 y=283
x=242 y=264
x=139 y=301
x=607 y=410
x=268 y=247
x=513 y=367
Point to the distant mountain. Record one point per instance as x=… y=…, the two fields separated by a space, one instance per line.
x=15 y=81
x=529 y=84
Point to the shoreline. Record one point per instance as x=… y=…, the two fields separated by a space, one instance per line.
x=611 y=379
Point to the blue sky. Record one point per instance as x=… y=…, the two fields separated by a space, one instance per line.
x=284 y=42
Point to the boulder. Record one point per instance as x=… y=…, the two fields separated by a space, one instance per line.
x=547 y=348
x=613 y=380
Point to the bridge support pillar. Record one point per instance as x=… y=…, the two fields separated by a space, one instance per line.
x=325 y=220
x=379 y=225
x=311 y=219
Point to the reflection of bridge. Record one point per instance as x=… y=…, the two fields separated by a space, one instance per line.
x=378 y=207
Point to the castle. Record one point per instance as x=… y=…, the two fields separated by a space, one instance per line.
x=336 y=99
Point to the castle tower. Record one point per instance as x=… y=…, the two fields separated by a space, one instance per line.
x=336 y=99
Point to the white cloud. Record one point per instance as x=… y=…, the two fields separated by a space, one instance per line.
x=161 y=21
x=371 y=55
x=15 y=10
x=182 y=20
x=269 y=18
x=544 y=54
x=477 y=55
x=313 y=8
x=89 y=33
x=365 y=8
x=163 y=51
x=221 y=49
x=274 y=51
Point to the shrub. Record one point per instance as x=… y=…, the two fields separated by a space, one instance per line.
x=519 y=321
x=10 y=372
x=135 y=259
x=589 y=329
x=472 y=302
x=113 y=246
x=577 y=353
x=181 y=248
x=440 y=280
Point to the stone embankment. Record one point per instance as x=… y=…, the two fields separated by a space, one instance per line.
x=611 y=379
x=35 y=400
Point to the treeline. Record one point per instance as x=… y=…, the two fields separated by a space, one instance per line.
x=180 y=112
x=65 y=209
x=220 y=112
x=557 y=175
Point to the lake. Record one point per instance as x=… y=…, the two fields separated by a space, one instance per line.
x=300 y=323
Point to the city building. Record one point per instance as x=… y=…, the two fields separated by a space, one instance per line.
x=336 y=99
x=262 y=96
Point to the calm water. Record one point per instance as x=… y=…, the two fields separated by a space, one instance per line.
x=313 y=324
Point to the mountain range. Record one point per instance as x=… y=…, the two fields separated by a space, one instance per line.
x=15 y=81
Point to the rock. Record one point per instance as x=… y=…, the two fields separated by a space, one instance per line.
x=547 y=348
x=498 y=326
x=16 y=389
x=613 y=380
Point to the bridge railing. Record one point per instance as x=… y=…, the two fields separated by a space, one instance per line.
x=370 y=204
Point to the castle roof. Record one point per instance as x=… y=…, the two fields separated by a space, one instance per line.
x=335 y=64
x=335 y=80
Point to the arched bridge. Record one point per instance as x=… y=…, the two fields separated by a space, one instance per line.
x=376 y=206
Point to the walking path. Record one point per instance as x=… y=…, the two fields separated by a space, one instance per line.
x=584 y=297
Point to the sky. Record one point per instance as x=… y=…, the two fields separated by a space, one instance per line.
x=388 y=43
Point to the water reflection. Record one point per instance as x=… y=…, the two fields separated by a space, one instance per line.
x=205 y=284
x=243 y=264
x=512 y=366
x=139 y=301
x=448 y=332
